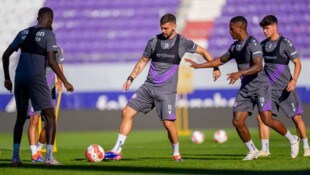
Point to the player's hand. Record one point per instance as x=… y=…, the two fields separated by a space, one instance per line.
x=193 y=64
x=291 y=86
x=8 y=85
x=216 y=74
x=126 y=85
x=69 y=87
x=233 y=77
x=58 y=85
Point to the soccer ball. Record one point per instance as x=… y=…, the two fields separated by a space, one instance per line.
x=220 y=136
x=94 y=153
x=198 y=137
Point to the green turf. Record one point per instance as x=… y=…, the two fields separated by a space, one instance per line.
x=149 y=152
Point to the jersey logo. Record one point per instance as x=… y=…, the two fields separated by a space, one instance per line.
x=166 y=45
x=40 y=34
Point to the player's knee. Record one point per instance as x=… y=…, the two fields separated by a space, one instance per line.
x=297 y=119
x=237 y=123
x=168 y=123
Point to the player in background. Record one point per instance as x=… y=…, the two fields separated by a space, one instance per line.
x=278 y=51
x=52 y=82
x=38 y=45
x=255 y=88
x=159 y=90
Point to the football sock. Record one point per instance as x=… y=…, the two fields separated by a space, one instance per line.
x=49 y=152
x=289 y=136
x=39 y=146
x=16 y=147
x=305 y=143
x=119 y=143
x=250 y=145
x=175 y=148
x=265 y=145
x=33 y=149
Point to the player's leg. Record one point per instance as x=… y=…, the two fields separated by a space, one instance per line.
x=21 y=98
x=141 y=101
x=41 y=141
x=128 y=114
x=239 y=119
x=242 y=108
x=302 y=132
x=32 y=136
x=264 y=133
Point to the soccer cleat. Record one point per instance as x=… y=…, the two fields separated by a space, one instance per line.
x=52 y=162
x=40 y=154
x=177 y=158
x=294 y=148
x=111 y=155
x=37 y=158
x=307 y=152
x=251 y=155
x=262 y=154
x=16 y=162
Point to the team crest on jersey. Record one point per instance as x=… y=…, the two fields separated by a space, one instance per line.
x=166 y=45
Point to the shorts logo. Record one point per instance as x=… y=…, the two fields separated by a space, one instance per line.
x=169 y=109
x=261 y=101
x=293 y=107
x=134 y=95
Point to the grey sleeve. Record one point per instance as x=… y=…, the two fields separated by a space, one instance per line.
x=60 y=56
x=51 y=44
x=289 y=49
x=150 y=47
x=229 y=52
x=16 y=42
x=186 y=45
x=255 y=49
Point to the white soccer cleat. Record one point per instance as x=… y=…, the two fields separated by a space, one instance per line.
x=251 y=155
x=262 y=154
x=294 y=148
x=307 y=152
x=52 y=162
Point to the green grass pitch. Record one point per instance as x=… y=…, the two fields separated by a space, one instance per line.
x=149 y=152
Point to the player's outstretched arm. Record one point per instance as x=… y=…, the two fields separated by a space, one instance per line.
x=255 y=68
x=297 y=68
x=6 y=62
x=52 y=62
x=136 y=71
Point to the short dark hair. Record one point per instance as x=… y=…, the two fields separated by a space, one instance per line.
x=45 y=11
x=240 y=19
x=268 y=20
x=168 y=18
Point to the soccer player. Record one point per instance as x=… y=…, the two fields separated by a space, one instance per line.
x=36 y=147
x=37 y=43
x=255 y=88
x=278 y=51
x=159 y=90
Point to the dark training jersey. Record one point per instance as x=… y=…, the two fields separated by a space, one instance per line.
x=32 y=60
x=244 y=52
x=277 y=55
x=166 y=55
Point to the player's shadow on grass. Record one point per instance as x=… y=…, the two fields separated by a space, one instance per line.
x=107 y=168
x=213 y=156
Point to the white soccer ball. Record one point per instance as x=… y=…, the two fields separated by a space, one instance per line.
x=94 y=153
x=220 y=136
x=198 y=137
